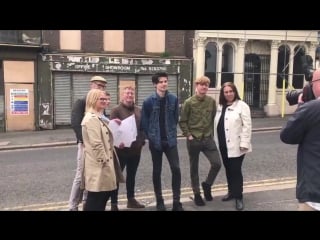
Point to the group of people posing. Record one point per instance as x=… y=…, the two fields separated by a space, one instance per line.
x=220 y=131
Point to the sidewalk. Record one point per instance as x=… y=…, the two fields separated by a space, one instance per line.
x=263 y=196
x=62 y=137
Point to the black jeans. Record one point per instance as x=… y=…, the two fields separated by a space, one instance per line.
x=97 y=201
x=173 y=159
x=130 y=161
x=233 y=173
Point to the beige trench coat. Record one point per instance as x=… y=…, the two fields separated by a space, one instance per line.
x=102 y=169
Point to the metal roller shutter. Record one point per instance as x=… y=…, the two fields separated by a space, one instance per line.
x=145 y=87
x=173 y=84
x=62 y=98
x=112 y=88
x=81 y=86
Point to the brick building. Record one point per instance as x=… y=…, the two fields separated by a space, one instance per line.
x=63 y=61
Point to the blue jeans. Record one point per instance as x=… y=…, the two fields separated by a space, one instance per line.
x=173 y=159
x=77 y=194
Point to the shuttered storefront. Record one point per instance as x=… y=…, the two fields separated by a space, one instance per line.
x=62 y=98
x=68 y=87
x=146 y=87
x=112 y=88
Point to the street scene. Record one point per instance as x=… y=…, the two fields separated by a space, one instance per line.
x=38 y=169
x=156 y=120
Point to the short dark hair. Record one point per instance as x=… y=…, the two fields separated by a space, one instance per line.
x=156 y=76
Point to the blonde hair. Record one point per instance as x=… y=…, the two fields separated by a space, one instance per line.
x=92 y=98
x=202 y=80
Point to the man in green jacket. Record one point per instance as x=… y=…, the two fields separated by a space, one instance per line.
x=196 y=123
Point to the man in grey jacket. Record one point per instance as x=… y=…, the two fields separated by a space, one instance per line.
x=303 y=128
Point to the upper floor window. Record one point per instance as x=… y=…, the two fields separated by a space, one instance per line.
x=113 y=40
x=70 y=39
x=9 y=36
x=155 y=41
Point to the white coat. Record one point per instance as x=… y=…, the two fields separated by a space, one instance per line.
x=237 y=128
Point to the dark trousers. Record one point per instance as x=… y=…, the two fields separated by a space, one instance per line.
x=131 y=162
x=209 y=149
x=173 y=159
x=97 y=201
x=233 y=173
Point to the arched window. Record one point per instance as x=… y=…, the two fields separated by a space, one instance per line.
x=227 y=74
x=298 y=75
x=283 y=65
x=210 y=64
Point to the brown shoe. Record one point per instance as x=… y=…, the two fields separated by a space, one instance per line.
x=133 y=203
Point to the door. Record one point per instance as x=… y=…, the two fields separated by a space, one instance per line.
x=252 y=74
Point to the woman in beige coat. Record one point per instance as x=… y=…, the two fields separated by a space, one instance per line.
x=101 y=165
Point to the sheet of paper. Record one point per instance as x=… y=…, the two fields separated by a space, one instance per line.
x=125 y=133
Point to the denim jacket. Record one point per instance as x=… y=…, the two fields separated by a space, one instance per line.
x=150 y=119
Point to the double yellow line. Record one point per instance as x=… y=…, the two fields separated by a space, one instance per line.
x=148 y=197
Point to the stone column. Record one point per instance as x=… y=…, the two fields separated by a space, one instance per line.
x=312 y=52
x=200 y=58
x=239 y=67
x=272 y=109
x=291 y=58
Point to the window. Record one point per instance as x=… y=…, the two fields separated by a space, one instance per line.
x=283 y=66
x=298 y=74
x=113 y=40
x=227 y=74
x=8 y=36
x=155 y=41
x=210 y=64
x=70 y=39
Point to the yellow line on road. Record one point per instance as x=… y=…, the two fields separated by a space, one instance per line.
x=252 y=186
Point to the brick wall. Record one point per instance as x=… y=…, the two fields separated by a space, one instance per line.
x=175 y=42
x=53 y=38
x=92 y=41
x=134 y=41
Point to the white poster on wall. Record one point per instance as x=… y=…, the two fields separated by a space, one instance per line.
x=19 y=101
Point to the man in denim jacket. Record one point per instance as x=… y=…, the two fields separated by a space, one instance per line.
x=159 y=119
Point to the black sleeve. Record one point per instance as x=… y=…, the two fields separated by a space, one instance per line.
x=76 y=118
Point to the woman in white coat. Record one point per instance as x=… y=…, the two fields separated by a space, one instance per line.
x=232 y=134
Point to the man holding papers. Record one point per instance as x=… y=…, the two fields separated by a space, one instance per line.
x=129 y=141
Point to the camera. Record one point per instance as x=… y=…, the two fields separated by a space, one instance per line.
x=293 y=95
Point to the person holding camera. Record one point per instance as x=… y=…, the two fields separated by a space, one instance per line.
x=303 y=128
